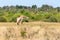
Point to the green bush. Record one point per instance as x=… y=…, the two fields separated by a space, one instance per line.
x=50 y=18
x=13 y=19
x=8 y=16
x=3 y=19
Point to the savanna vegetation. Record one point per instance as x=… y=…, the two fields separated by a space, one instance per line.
x=43 y=13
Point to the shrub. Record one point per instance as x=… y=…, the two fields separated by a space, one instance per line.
x=23 y=33
x=50 y=19
x=14 y=17
x=3 y=19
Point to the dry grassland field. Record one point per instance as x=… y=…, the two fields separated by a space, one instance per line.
x=30 y=31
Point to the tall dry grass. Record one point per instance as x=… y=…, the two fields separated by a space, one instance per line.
x=30 y=31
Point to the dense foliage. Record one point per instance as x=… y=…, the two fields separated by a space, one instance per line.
x=43 y=13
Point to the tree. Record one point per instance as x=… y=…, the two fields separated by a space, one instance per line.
x=58 y=9
x=19 y=7
x=34 y=6
x=46 y=8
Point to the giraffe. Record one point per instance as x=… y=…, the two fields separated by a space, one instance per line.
x=20 y=19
